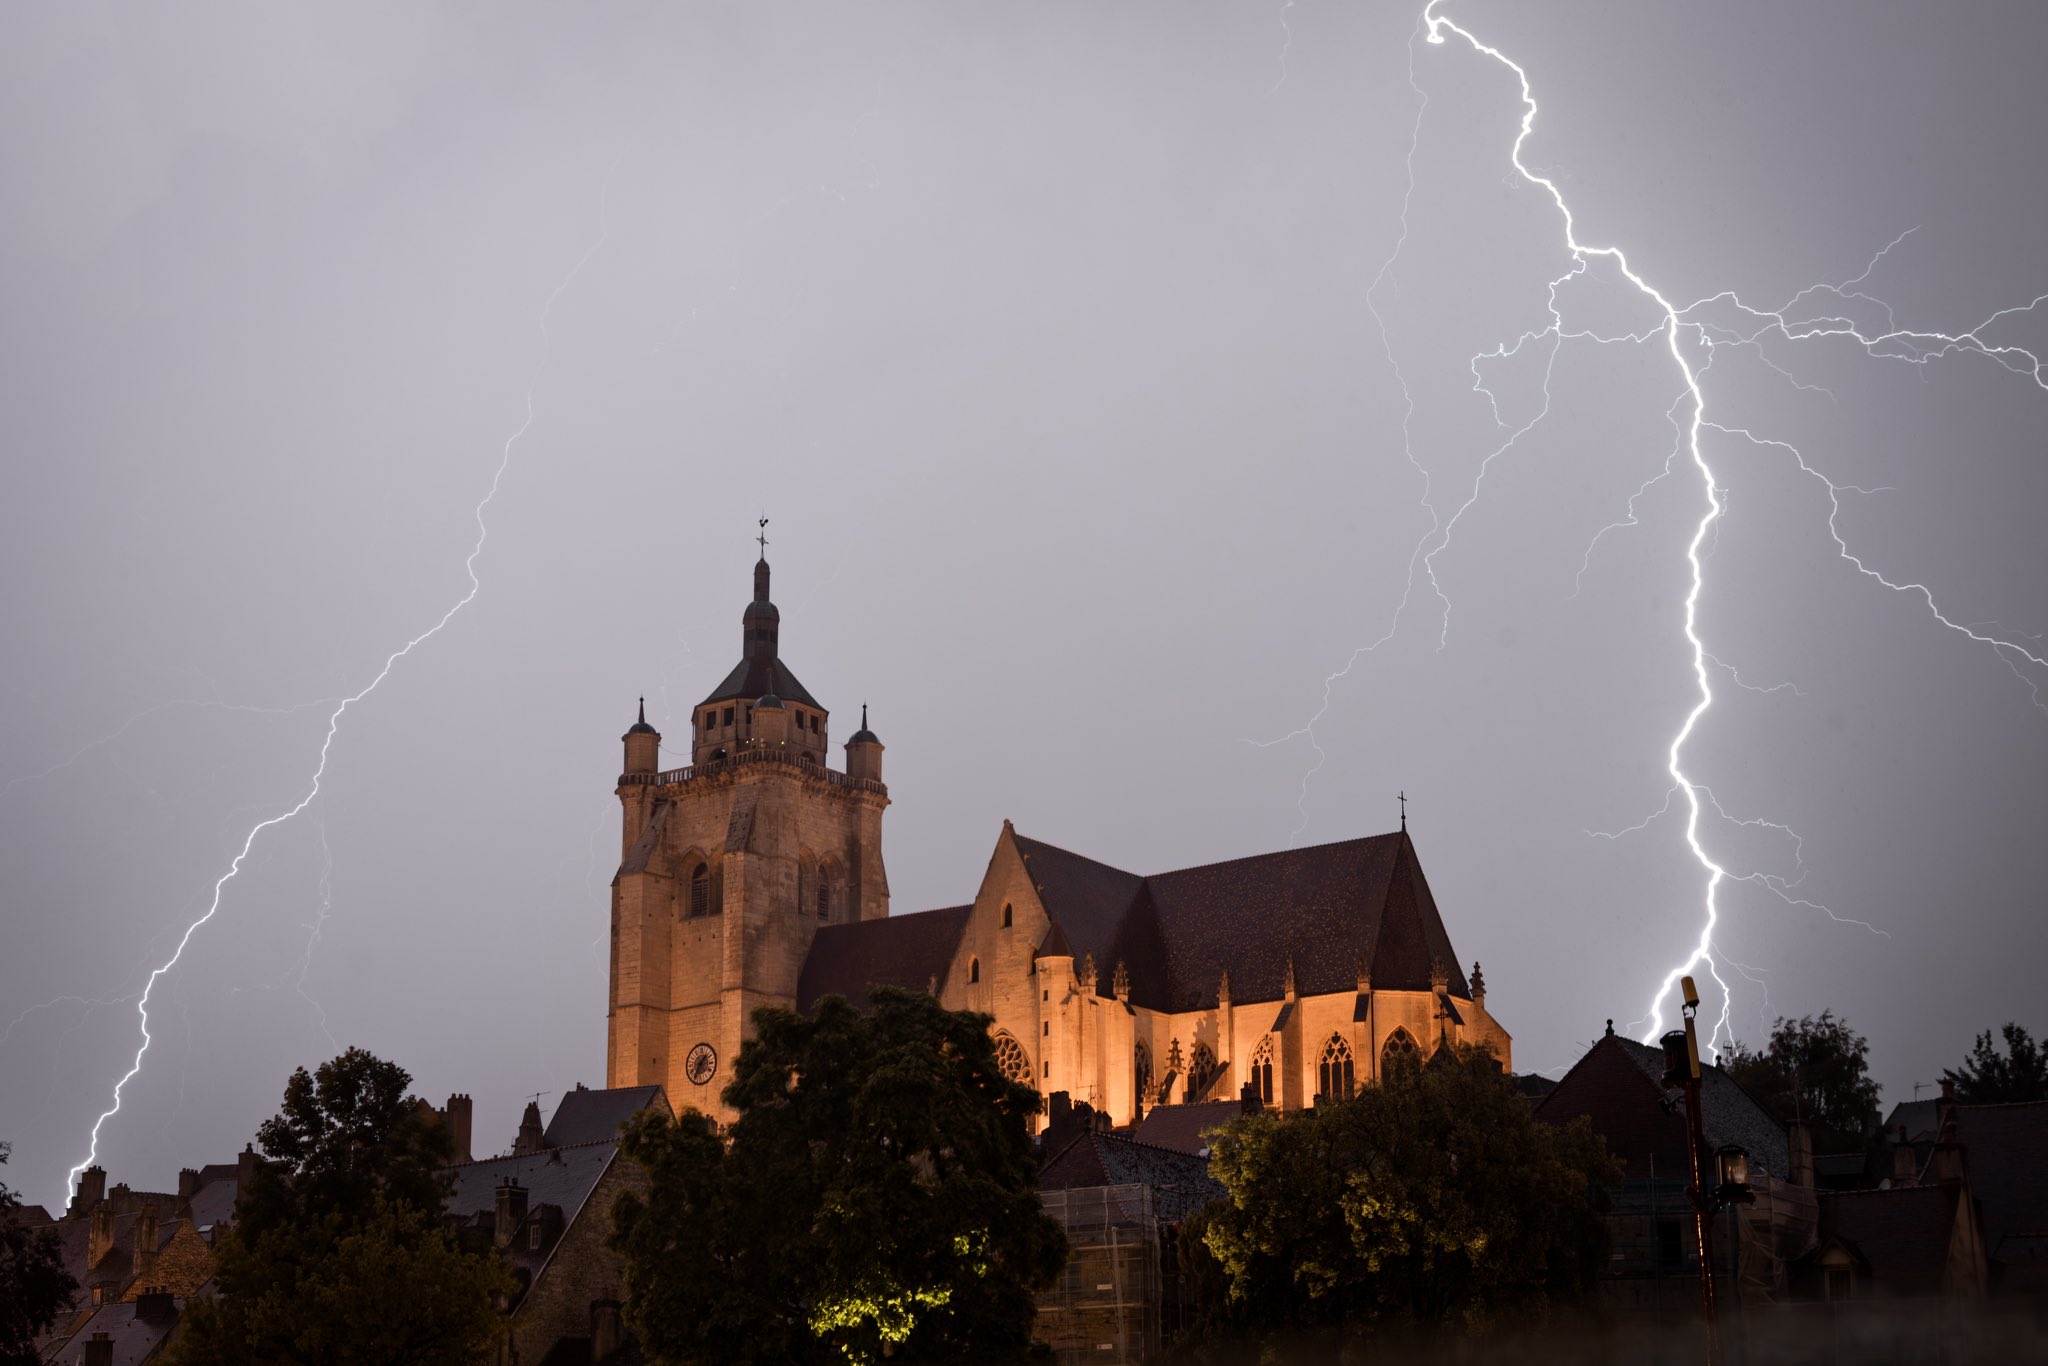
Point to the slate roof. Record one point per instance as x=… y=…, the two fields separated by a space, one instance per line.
x=214 y=1202
x=895 y=950
x=595 y=1116
x=556 y=1176
x=2005 y=1152
x=1619 y=1085
x=1180 y=1182
x=750 y=678
x=1922 y=1119
x=1329 y=909
x=134 y=1338
x=1182 y=1127
x=1903 y=1233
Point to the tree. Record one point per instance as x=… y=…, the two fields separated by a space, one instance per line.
x=339 y=1252
x=34 y=1286
x=1815 y=1069
x=876 y=1197
x=1988 y=1077
x=1430 y=1198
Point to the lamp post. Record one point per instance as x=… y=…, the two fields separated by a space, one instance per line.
x=1730 y=1173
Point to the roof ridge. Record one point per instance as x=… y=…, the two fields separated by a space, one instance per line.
x=1062 y=849
x=1272 y=853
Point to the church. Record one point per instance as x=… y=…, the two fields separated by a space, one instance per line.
x=754 y=877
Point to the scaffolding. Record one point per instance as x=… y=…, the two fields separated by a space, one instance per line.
x=1106 y=1305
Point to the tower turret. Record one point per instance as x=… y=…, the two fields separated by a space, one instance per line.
x=864 y=752
x=643 y=745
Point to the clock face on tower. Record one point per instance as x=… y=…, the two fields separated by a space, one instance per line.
x=702 y=1064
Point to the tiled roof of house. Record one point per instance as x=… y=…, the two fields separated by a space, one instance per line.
x=1329 y=910
x=2005 y=1149
x=1183 y=1128
x=894 y=950
x=1619 y=1085
x=554 y=1176
x=1903 y=1233
x=214 y=1202
x=1180 y=1182
x=134 y=1337
x=594 y=1116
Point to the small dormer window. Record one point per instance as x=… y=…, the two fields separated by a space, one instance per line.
x=533 y=1236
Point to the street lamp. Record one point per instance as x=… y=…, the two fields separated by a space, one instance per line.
x=1682 y=1072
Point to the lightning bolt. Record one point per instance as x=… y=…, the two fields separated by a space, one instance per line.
x=341 y=709
x=1681 y=333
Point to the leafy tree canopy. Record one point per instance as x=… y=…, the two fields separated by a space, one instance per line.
x=1430 y=1198
x=876 y=1197
x=34 y=1286
x=339 y=1253
x=1989 y=1077
x=1815 y=1069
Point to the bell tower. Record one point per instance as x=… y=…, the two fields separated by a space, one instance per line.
x=729 y=866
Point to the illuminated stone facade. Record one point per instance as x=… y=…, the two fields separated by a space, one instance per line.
x=754 y=877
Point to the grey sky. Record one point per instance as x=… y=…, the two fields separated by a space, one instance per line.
x=1042 y=334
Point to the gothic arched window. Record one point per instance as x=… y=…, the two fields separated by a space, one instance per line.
x=974 y=972
x=1202 y=1069
x=1006 y=915
x=1262 y=1069
x=1398 y=1049
x=1141 y=1072
x=700 y=891
x=1012 y=1060
x=1334 y=1072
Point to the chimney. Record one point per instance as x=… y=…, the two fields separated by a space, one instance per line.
x=458 y=1126
x=188 y=1185
x=99 y=1351
x=530 y=1139
x=155 y=1305
x=1799 y=1142
x=1059 y=1120
x=246 y=1163
x=99 y=1234
x=92 y=1188
x=1905 y=1162
x=511 y=1209
x=606 y=1335
x=145 y=1241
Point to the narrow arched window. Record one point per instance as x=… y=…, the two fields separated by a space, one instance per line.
x=1141 y=1072
x=700 y=891
x=1262 y=1070
x=1202 y=1069
x=1334 y=1071
x=974 y=969
x=824 y=898
x=1006 y=915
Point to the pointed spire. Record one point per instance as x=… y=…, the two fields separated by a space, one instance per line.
x=640 y=727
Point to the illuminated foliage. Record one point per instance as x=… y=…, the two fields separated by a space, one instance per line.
x=1429 y=1198
x=874 y=1198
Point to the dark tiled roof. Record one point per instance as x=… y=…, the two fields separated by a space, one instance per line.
x=1180 y=1182
x=1184 y=1128
x=2006 y=1156
x=594 y=1116
x=751 y=678
x=1921 y=1118
x=1619 y=1086
x=895 y=950
x=134 y=1338
x=1329 y=910
x=555 y=1176
x=1054 y=945
x=215 y=1201
x=1903 y=1233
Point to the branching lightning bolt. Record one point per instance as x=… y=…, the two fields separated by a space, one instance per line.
x=340 y=710
x=1679 y=330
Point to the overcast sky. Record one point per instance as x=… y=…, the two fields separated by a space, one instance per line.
x=1045 y=334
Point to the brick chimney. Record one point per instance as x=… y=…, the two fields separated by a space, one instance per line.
x=458 y=1113
x=145 y=1241
x=246 y=1163
x=511 y=1209
x=99 y=1234
x=188 y=1185
x=99 y=1351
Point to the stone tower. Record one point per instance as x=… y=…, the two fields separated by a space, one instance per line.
x=730 y=866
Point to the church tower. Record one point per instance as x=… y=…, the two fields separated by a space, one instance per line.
x=730 y=866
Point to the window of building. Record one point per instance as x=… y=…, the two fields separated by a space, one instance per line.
x=1141 y=1071
x=824 y=899
x=750 y=716
x=814 y=721
x=1011 y=1059
x=533 y=1236
x=974 y=969
x=1839 y=1284
x=728 y=716
x=1202 y=1069
x=1334 y=1073
x=1045 y=1028
x=710 y=721
x=700 y=891
x=1262 y=1070
x=1048 y=1069
x=1006 y=915
x=1670 y=1243
x=1399 y=1048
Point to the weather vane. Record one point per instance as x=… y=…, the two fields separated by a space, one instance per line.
x=763 y=538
